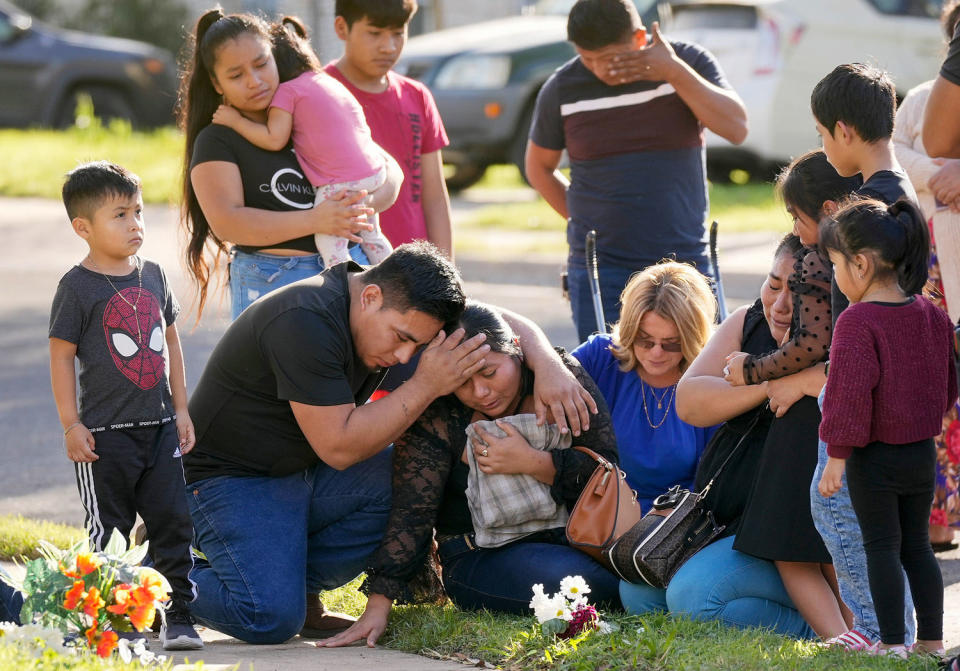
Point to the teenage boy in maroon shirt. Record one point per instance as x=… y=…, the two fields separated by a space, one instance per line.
x=401 y=113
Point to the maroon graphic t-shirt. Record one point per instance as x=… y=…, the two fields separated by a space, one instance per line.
x=119 y=332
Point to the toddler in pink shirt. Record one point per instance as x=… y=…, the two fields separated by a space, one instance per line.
x=330 y=137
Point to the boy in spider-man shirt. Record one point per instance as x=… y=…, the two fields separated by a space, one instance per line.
x=115 y=312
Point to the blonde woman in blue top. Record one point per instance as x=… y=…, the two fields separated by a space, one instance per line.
x=666 y=318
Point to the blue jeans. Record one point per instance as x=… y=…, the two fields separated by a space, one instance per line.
x=254 y=274
x=720 y=583
x=837 y=523
x=613 y=279
x=501 y=579
x=271 y=541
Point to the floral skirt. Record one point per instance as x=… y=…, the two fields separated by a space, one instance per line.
x=946 y=499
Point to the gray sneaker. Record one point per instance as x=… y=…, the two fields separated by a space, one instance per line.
x=178 y=632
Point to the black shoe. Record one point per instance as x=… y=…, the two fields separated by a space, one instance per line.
x=178 y=632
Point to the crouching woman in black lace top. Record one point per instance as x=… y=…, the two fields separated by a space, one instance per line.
x=430 y=478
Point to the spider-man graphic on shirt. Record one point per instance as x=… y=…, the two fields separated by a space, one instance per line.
x=135 y=336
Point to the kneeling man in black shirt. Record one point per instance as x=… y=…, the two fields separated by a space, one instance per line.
x=289 y=482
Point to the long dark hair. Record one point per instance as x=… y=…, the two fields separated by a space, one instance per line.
x=897 y=236
x=809 y=181
x=292 y=50
x=197 y=101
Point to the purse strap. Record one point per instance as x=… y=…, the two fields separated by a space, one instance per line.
x=607 y=464
x=751 y=427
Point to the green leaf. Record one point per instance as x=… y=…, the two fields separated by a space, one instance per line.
x=553 y=627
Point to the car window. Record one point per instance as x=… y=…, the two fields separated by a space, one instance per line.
x=6 y=29
x=730 y=17
x=927 y=8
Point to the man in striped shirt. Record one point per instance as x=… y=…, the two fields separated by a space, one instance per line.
x=630 y=111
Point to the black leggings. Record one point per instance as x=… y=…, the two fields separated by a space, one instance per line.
x=891 y=488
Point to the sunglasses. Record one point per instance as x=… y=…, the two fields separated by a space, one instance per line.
x=665 y=346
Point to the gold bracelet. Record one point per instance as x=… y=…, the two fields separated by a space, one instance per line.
x=71 y=427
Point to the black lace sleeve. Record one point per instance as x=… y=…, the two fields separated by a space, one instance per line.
x=575 y=468
x=810 y=328
x=422 y=459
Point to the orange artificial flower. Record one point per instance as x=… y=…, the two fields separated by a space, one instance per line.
x=92 y=602
x=122 y=599
x=142 y=616
x=87 y=563
x=103 y=642
x=151 y=582
x=74 y=595
x=69 y=572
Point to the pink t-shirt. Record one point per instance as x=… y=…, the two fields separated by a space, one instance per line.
x=403 y=120
x=330 y=136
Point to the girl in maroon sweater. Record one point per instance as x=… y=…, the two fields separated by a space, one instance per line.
x=891 y=378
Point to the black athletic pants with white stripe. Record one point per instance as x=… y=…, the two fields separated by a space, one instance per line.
x=139 y=471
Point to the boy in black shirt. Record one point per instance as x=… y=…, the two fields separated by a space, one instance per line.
x=854 y=107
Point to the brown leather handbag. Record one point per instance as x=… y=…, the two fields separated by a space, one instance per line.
x=607 y=509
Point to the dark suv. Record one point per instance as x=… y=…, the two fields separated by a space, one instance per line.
x=43 y=70
x=485 y=78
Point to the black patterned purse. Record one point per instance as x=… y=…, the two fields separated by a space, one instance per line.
x=679 y=525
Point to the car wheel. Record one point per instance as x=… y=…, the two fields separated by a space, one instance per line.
x=464 y=175
x=108 y=104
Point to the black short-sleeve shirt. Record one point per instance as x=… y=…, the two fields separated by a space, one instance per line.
x=950 y=70
x=294 y=344
x=272 y=180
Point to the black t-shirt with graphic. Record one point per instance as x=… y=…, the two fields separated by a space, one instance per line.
x=119 y=331
x=294 y=344
x=272 y=180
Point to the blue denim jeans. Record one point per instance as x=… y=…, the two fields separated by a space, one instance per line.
x=254 y=274
x=501 y=579
x=720 y=583
x=837 y=523
x=270 y=541
x=612 y=281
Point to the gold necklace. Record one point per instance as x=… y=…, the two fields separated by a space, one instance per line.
x=671 y=391
x=133 y=306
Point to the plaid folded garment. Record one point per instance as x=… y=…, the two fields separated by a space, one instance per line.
x=505 y=507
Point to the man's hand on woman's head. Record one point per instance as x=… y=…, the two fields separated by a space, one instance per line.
x=449 y=361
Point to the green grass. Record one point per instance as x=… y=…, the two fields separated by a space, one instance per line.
x=655 y=642
x=35 y=161
x=20 y=536
x=650 y=643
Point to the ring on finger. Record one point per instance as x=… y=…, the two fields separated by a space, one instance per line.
x=483 y=452
x=726 y=371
